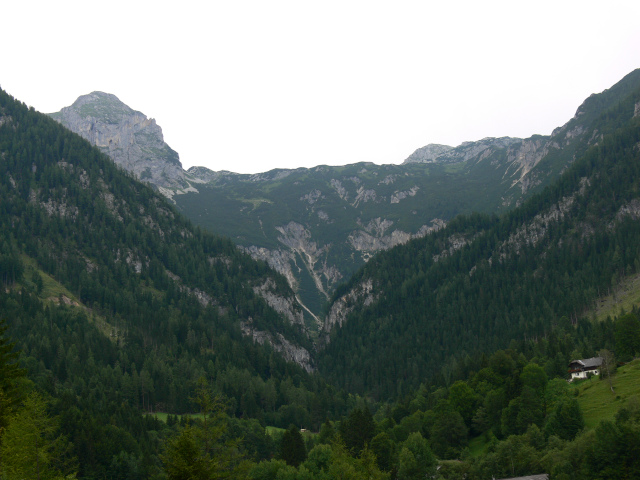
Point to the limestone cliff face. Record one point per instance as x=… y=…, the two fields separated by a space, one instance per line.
x=132 y=140
x=287 y=307
x=522 y=155
x=299 y=253
x=298 y=240
x=377 y=235
x=428 y=154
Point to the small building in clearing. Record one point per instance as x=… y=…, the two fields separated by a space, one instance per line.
x=543 y=476
x=580 y=368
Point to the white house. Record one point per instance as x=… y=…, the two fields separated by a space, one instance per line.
x=580 y=368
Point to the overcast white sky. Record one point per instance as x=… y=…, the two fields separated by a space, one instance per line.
x=248 y=86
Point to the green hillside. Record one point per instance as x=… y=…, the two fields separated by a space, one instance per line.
x=484 y=282
x=119 y=304
x=599 y=403
x=623 y=297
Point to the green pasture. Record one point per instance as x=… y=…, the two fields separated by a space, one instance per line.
x=598 y=402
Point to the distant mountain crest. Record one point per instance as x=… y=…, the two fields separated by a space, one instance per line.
x=427 y=154
x=434 y=153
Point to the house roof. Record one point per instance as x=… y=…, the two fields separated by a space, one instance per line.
x=542 y=476
x=588 y=362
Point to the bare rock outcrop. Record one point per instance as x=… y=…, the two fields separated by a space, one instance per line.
x=289 y=351
x=341 y=308
x=128 y=137
x=376 y=236
x=284 y=306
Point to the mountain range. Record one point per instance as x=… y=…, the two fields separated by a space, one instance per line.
x=442 y=294
x=317 y=226
x=127 y=262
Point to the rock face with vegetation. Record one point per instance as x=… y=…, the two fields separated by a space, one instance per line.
x=132 y=140
x=120 y=225
x=317 y=226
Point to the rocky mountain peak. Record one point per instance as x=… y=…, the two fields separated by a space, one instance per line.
x=428 y=153
x=132 y=140
x=104 y=106
x=434 y=153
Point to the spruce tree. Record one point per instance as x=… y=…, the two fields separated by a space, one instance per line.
x=292 y=449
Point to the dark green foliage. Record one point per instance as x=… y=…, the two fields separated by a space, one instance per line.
x=514 y=457
x=448 y=434
x=327 y=433
x=292 y=449
x=183 y=459
x=11 y=268
x=382 y=447
x=565 y=420
x=203 y=451
x=627 y=337
x=464 y=400
x=145 y=305
x=357 y=429
x=415 y=460
x=484 y=283
x=529 y=407
x=10 y=376
x=32 y=446
x=616 y=451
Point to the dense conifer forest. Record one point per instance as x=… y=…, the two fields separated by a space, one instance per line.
x=119 y=305
x=122 y=354
x=511 y=277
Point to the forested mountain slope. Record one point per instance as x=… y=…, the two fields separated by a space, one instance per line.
x=148 y=303
x=318 y=225
x=82 y=217
x=485 y=280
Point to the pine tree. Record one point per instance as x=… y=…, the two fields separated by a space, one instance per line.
x=358 y=429
x=292 y=449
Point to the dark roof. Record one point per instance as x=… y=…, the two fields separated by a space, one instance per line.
x=542 y=476
x=588 y=362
